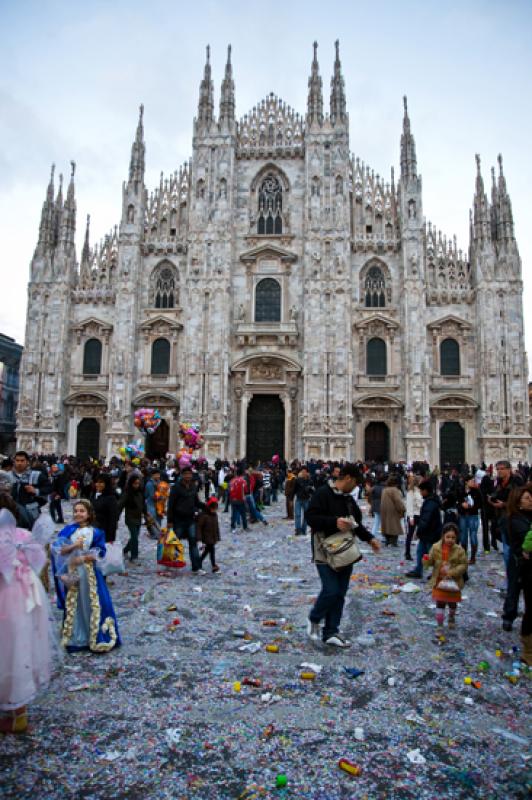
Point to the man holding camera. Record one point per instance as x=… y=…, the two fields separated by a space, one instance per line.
x=30 y=489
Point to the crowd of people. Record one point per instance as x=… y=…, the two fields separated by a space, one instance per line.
x=440 y=511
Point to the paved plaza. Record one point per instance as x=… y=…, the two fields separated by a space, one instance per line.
x=194 y=706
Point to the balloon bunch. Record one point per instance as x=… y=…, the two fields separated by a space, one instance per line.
x=147 y=420
x=190 y=433
x=133 y=450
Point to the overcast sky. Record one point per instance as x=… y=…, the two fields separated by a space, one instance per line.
x=73 y=73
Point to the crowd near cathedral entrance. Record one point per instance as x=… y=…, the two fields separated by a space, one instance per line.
x=282 y=294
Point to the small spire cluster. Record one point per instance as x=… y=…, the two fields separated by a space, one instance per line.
x=337 y=106
x=205 y=118
x=492 y=224
x=166 y=212
x=57 y=229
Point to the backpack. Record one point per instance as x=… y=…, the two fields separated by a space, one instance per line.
x=237 y=490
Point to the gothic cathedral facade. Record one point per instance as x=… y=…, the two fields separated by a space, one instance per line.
x=279 y=292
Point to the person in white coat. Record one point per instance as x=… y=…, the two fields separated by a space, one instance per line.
x=414 y=501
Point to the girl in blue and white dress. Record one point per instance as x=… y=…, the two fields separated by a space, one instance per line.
x=82 y=593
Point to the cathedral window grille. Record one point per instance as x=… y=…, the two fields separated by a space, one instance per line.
x=376 y=357
x=160 y=357
x=270 y=206
x=339 y=185
x=166 y=295
x=200 y=189
x=375 y=288
x=315 y=188
x=450 y=357
x=92 y=357
x=268 y=301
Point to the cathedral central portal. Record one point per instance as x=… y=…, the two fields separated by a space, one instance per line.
x=265 y=428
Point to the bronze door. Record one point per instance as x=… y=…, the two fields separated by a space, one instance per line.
x=265 y=428
x=88 y=439
x=377 y=442
x=452 y=444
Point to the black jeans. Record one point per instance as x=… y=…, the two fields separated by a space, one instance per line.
x=511 y=601
x=330 y=602
x=410 y=533
x=56 y=512
x=526 y=582
x=209 y=551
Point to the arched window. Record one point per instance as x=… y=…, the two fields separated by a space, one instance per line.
x=200 y=189
x=376 y=357
x=374 y=288
x=165 y=293
x=92 y=357
x=449 y=357
x=270 y=206
x=339 y=184
x=160 y=357
x=268 y=301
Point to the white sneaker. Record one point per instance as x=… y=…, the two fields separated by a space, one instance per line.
x=338 y=641
x=313 y=630
x=233 y=530
x=199 y=572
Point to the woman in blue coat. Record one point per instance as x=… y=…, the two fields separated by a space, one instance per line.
x=89 y=621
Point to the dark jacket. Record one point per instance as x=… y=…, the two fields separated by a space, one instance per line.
x=183 y=503
x=135 y=505
x=375 y=499
x=106 y=511
x=29 y=505
x=327 y=505
x=303 y=489
x=471 y=510
x=208 y=528
x=518 y=526
x=430 y=526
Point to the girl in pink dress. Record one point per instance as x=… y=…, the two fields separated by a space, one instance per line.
x=25 y=629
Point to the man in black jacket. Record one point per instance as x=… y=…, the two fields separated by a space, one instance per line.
x=183 y=506
x=30 y=489
x=429 y=527
x=332 y=509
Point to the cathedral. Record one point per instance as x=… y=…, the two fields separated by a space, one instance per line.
x=278 y=291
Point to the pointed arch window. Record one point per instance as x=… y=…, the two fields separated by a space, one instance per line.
x=376 y=357
x=160 y=357
x=268 y=301
x=270 y=206
x=165 y=292
x=449 y=357
x=375 y=288
x=92 y=357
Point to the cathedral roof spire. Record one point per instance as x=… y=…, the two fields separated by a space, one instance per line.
x=138 y=152
x=206 y=98
x=227 y=96
x=85 y=265
x=68 y=217
x=338 y=105
x=47 y=217
x=315 y=92
x=408 y=147
x=481 y=214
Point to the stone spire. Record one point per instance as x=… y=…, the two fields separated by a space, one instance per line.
x=315 y=92
x=47 y=218
x=86 y=252
x=68 y=217
x=504 y=215
x=138 y=152
x=338 y=105
x=227 y=96
x=408 y=148
x=481 y=213
x=206 y=98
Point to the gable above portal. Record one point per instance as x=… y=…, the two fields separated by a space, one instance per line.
x=271 y=128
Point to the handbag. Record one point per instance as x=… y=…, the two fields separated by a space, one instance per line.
x=448 y=585
x=341 y=549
